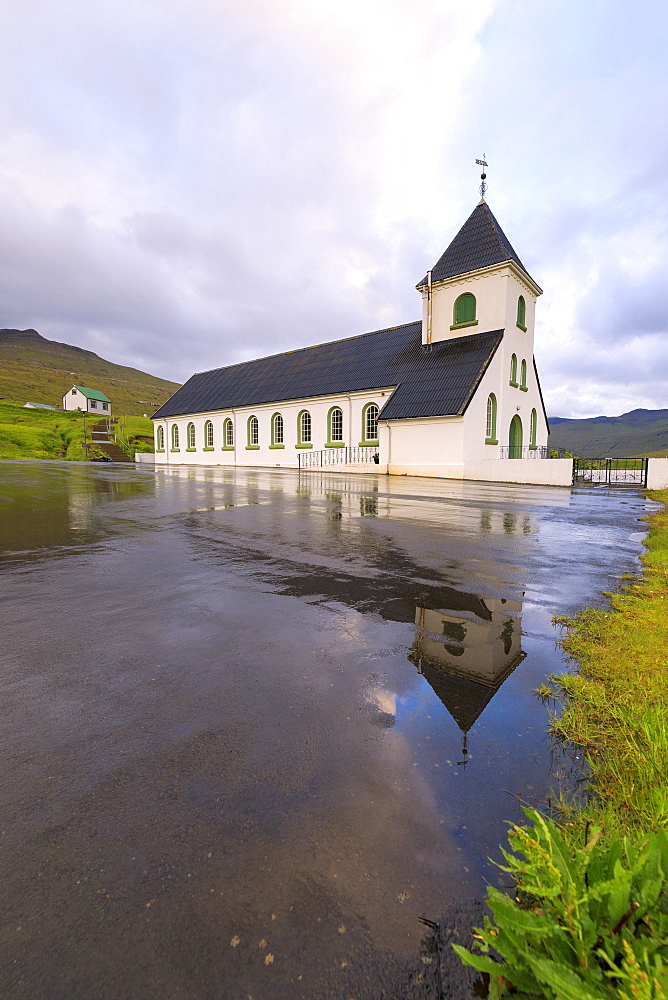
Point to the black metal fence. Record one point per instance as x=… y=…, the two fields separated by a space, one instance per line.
x=610 y=471
x=338 y=456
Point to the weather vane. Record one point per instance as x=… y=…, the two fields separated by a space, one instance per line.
x=483 y=175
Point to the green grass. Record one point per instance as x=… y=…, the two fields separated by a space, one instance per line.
x=38 y=434
x=137 y=431
x=616 y=705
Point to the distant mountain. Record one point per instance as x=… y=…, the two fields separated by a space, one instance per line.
x=34 y=369
x=639 y=432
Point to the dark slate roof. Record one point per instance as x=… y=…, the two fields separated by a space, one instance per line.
x=436 y=383
x=479 y=243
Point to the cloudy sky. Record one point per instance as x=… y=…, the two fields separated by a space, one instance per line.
x=189 y=183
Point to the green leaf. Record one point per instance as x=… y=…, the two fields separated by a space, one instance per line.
x=564 y=982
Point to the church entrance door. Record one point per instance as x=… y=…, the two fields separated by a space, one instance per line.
x=515 y=438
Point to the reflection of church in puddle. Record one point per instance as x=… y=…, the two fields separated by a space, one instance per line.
x=466 y=654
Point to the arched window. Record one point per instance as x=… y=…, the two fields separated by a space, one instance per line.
x=228 y=433
x=370 y=424
x=277 y=431
x=463 y=313
x=522 y=313
x=335 y=427
x=304 y=429
x=160 y=437
x=523 y=376
x=190 y=437
x=208 y=434
x=175 y=437
x=490 y=429
x=533 y=429
x=253 y=433
x=513 y=371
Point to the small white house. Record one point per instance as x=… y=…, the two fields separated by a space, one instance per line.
x=453 y=395
x=88 y=400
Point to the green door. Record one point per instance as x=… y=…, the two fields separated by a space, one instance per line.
x=515 y=438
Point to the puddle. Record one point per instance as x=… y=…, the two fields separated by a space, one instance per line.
x=252 y=714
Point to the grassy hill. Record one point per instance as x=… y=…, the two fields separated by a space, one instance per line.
x=38 y=434
x=34 y=369
x=639 y=432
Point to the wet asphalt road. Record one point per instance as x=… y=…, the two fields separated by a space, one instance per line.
x=255 y=724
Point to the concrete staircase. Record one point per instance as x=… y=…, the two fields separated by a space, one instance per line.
x=101 y=439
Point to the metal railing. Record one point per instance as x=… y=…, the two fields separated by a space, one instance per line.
x=611 y=471
x=123 y=445
x=328 y=457
x=518 y=451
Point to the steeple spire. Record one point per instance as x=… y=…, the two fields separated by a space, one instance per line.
x=483 y=176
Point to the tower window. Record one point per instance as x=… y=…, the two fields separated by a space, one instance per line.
x=533 y=429
x=523 y=377
x=522 y=313
x=463 y=313
x=513 y=371
x=490 y=429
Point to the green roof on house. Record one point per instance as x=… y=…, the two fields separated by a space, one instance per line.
x=92 y=393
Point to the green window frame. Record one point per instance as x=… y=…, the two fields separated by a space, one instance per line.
x=277 y=431
x=253 y=433
x=370 y=424
x=490 y=427
x=175 y=437
x=335 y=428
x=523 y=377
x=190 y=437
x=228 y=434
x=463 y=311
x=160 y=438
x=522 y=314
x=533 y=430
x=208 y=436
x=513 y=371
x=304 y=430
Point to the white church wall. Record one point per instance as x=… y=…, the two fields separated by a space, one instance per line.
x=265 y=453
x=426 y=446
x=536 y=471
x=657 y=473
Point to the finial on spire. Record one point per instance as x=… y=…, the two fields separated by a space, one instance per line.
x=483 y=176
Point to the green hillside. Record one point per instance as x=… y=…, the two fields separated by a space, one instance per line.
x=54 y=434
x=34 y=369
x=639 y=432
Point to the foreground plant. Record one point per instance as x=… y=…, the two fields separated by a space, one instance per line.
x=587 y=923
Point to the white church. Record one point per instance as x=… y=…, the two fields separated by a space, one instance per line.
x=455 y=395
